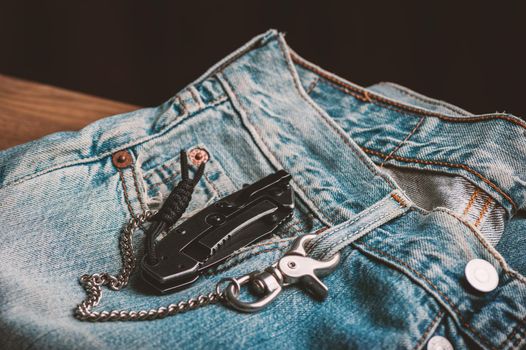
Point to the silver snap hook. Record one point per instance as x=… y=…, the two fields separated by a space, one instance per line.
x=295 y=267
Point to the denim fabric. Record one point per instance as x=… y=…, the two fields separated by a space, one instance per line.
x=409 y=189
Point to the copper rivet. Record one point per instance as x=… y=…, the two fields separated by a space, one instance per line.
x=198 y=156
x=121 y=159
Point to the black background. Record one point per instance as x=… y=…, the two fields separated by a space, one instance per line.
x=470 y=54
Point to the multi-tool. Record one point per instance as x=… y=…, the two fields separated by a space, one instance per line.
x=213 y=234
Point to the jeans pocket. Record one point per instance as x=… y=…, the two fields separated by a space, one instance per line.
x=215 y=184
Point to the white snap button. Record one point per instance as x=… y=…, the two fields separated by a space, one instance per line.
x=438 y=342
x=481 y=275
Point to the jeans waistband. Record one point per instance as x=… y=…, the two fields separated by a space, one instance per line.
x=327 y=167
x=262 y=80
x=338 y=181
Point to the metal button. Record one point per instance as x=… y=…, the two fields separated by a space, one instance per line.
x=438 y=342
x=481 y=275
x=121 y=159
x=198 y=156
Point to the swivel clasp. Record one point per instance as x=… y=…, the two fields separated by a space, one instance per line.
x=295 y=267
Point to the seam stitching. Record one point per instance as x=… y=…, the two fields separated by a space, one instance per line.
x=446 y=298
x=360 y=229
x=399 y=106
x=165 y=181
x=139 y=194
x=451 y=165
x=167 y=166
x=213 y=187
x=403 y=141
x=399 y=199
x=489 y=248
x=125 y=189
x=195 y=96
x=433 y=323
x=426 y=99
x=312 y=85
x=365 y=212
x=483 y=211
x=112 y=150
x=183 y=104
x=471 y=201
x=513 y=334
x=344 y=137
x=257 y=132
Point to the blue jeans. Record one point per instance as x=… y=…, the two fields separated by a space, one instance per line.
x=410 y=190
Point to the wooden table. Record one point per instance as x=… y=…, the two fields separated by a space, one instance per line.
x=31 y=110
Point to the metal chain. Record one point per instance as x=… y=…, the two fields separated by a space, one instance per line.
x=92 y=284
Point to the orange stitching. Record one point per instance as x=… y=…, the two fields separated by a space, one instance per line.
x=364 y=98
x=214 y=188
x=403 y=142
x=428 y=329
x=183 y=105
x=367 y=96
x=471 y=201
x=465 y=324
x=269 y=149
x=125 y=189
x=429 y=100
x=451 y=165
x=401 y=106
x=338 y=131
x=312 y=85
x=194 y=96
x=511 y=273
x=359 y=97
x=513 y=333
x=273 y=154
x=321 y=230
x=489 y=249
x=483 y=211
x=399 y=199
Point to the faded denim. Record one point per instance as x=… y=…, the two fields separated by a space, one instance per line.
x=407 y=188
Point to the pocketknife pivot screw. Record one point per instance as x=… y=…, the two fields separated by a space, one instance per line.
x=215 y=219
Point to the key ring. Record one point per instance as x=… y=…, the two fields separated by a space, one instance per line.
x=233 y=283
x=295 y=267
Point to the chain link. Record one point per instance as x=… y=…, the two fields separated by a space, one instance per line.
x=92 y=284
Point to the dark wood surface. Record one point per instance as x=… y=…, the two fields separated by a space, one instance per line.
x=31 y=110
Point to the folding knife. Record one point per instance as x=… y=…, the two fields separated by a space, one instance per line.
x=212 y=235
